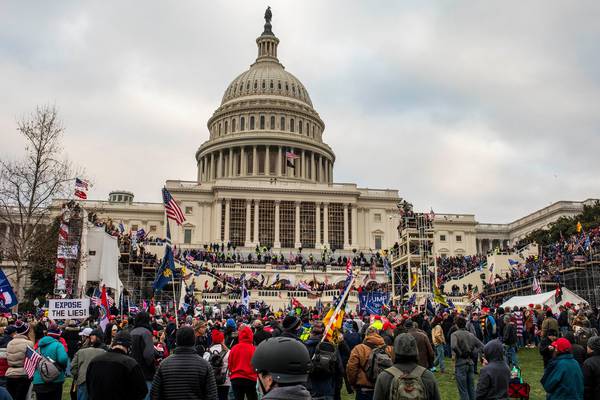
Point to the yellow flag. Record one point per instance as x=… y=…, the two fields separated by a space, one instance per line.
x=414 y=280
x=337 y=324
x=579 y=227
x=438 y=297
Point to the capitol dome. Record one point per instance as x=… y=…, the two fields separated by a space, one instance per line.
x=266 y=126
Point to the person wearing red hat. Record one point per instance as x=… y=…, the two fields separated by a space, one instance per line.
x=217 y=356
x=242 y=374
x=563 y=378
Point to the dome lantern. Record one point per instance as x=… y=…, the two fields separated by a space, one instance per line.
x=267 y=42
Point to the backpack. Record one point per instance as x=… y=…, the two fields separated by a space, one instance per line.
x=216 y=362
x=378 y=361
x=407 y=386
x=492 y=322
x=584 y=335
x=324 y=359
x=49 y=370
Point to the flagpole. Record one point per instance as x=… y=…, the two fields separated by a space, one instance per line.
x=338 y=308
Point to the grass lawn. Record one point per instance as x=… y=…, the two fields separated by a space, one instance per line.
x=531 y=367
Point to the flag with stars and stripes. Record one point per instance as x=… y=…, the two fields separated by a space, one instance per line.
x=537 y=289
x=31 y=361
x=172 y=208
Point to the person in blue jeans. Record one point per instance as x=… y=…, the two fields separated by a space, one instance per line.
x=464 y=345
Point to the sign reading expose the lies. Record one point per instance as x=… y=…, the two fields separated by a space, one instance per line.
x=68 y=308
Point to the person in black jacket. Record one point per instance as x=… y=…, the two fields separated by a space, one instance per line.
x=115 y=375
x=591 y=370
x=184 y=374
x=495 y=375
x=509 y=337
x=142 y=346
x=259 y=332
x=546 y=349
x=579 y=352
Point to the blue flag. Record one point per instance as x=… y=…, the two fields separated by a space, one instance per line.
x=121 y=227
x=7 y=295
x=165 y=271
x=411 y=301
x=429 y=307
x=513 y=262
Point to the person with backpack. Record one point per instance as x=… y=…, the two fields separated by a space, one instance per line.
x=510 y=339
x=584 y=332
x=464 y=345
x=241 y=373
x=326 y=364
x=406 y=377
x=184 y=374
x=217 y=356
x=490 y=328
x=17 y=381
x=367 y=360
x=49 y=376
x=494 y=377
x=142 y=347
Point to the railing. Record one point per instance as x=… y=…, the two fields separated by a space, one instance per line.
x=483 y=267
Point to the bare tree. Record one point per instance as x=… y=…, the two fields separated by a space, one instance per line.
x=27 y=186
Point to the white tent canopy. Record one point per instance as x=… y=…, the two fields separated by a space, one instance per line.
x=545 y=299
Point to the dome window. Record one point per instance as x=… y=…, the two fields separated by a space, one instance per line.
x=287 y=88
x=233 y=125
x=307 y=129
x=252 y=123
x=293 y=89
x=264 y=85
x=300 y=126
x=279 y=85
x=219 y=129
x=292 y=125
x=282 y=124
x=272 y=126
x=226 y=125
x=271 y=86
x=262 y=122
x=248 y=85
x=255 y=84
x=242 y=124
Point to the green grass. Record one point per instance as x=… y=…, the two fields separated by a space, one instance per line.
x=532 y=369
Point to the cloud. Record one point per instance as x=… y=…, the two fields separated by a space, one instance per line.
x=487 y=108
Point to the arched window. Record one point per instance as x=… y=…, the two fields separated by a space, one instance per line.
x=219 y=129
x=279 y=85
x=300 y=126
x=262 y=122
x=272 y=122
x=248 y=85
x=271 y=86
x=293 y=89
x=292 y=124
x=264 y=85
x=282 y=124
x=226 y=127
x=251 y=122
x=287 y=88
x=242 y=124
x=255 y=84
x=313 y=135
x=307 y=129
x=233 y=125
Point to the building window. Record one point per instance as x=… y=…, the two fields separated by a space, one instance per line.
x=226 y=130
x=189 y=210
x=300 y=126
x=377 y=217
x=313 y=131
x=271 y=86
x=287 y=220
x=262 y=122
x=187 y=236
x=264 y=85
x=266 y=222
x=377 y=242
x=252 y=123
x=237 y=222
x=282 y=124
x=307 y=225
x=458 y=238
x=442 y=238
x=233 y=126
x=134 y=227
x=279 y=85
x=292 y=124
x=242 y=124
x=272 y=122
x=307 y=129
x=336 y=225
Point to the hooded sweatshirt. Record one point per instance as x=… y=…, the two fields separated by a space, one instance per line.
x=240 y=356
x=495 y=376
x=53 y=349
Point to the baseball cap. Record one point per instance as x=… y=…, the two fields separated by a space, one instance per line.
x=562 y=345
x=86 y=332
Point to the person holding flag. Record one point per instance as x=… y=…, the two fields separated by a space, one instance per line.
x=17 y=378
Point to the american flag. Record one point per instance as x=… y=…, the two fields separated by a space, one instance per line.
x=349 y=267
x=63 y=232
x=81 y=184
x=97 y=299
x=290 y=155
x=536 y=286
x=32 y=359
x=172 y=208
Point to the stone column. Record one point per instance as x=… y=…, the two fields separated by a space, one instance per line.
x=346 y=240
x=317 y=225
x=303 y=165
x=217 y=225
x=256 y=208
x=254 y=161
x=247 y=241
x=212 y=165
x=277 y=242
x=267 y=161
x=278 y=164
x=231 y=161
x=220 y=166
x=326 y=224
x=312 y=167
x=227 y=214
x=243 y=167
x=354 y=226
x=297 y=243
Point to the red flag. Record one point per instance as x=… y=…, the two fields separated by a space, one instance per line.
x=80 y=194
x=206 y=284
x=104 y=300
x=152 y=309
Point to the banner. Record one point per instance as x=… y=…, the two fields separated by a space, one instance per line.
x=68 y=308
x=67 y=252
x=372 y=302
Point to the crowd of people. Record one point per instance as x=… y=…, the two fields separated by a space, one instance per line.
x=295 y=354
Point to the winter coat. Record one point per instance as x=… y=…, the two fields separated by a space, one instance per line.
x=240 y=356
x=184 y=375
x=321 y=384
x=71 y=337
x=591 y=377
x=219 y=348
x=549 y=324
x=384 y=382
x=114 y=375
x=437 y=335
x=15 y=355
x=142 y=350
x=563 y=379
x=509 y=336
x=545 y=351
x=464 y=345
x=425 y=351
x=297 y=392
x=81 y=360
x=260 y=335
x=495 y=376
x=53 y=349
x=357 y=377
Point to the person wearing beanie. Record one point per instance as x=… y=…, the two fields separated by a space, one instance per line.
x=242 y=374
x=142 y=347
x=464 y=345
x=495 y=375
x=218 y=356
x=549 y=323
x=115 y=375
x=426 y=355
x=290 y=325
x=17 y=381
x=202 y=339
x=82 y=359
x=563 y=379
x=591 y=370
x=184 y=374
x=406 y=362
x=50 y=347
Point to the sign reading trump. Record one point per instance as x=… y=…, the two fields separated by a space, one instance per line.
x=68 y=308
x=372 y=302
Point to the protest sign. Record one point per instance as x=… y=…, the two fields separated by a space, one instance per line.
x=68 y=308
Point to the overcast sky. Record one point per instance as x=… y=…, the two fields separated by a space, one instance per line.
x=491 y=108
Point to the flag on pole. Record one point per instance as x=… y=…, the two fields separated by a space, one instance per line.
x=411 y=301
x=512 y=262
x=558 y=293
x=290 y=156
x=414 y=280
x=104 y=309
x=31 y=361
x=8 y=298
x=536 y=286
x=245 y=295
x=439 y=297
x=349 y=267
x=167 y=267
x=172 y=208
x=81 y=188
x=491 y=275
x=121 y=227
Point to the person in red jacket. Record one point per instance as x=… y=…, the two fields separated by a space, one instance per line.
x=242 y=374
